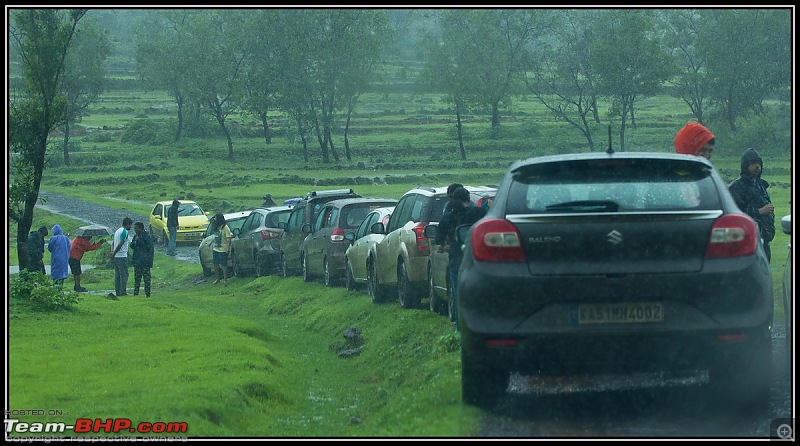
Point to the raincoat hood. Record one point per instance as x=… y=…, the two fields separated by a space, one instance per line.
x=691 y=138
x=56 y=230
x=748 y=157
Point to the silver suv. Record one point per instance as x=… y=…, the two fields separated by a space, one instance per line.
x=400 y=260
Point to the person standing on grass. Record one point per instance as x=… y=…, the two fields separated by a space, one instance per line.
x=59 y=246
x=142 y=260
x=221 y=247
x=80 y=245
x=119 y=255
x=463 y=212
x=35 y=250
x=172 y=227
x=750 y=193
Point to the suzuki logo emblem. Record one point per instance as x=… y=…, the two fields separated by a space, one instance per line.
x=614 y=237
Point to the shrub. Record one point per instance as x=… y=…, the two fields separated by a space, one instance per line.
x=41 y=293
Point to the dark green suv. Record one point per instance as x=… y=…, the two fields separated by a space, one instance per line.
x=304 y=212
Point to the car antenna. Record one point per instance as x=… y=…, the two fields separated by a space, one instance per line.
x=609 y=150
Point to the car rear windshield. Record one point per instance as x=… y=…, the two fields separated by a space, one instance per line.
x=612 y=185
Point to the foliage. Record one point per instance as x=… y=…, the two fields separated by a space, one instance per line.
x=40 y=291
x=147 y=131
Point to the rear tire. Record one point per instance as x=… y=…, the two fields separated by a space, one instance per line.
x=258 y=263
x=306 y=272
x=349 y=281
x=436 y=305
x=406 y=293
x=375 y=290
x=744 y=379
x=284 y=267
x=329 y=280
x=481 y=385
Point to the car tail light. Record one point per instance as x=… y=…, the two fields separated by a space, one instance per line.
x=496 y=240
x=423 y=245
x=732 y=235
x=266 y=234
x=337 y=235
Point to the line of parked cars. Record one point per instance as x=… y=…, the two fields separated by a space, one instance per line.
x=595 y=263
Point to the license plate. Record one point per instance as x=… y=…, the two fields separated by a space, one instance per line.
x=620 y=313
x=194 y=234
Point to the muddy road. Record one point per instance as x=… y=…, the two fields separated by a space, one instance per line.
x=655 y=409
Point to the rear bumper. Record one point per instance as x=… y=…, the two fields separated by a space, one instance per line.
x=531 y=324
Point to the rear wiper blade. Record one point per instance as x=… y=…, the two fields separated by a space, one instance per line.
x=584 y=206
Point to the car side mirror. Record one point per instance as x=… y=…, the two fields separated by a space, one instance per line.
x=351 y=236
x=377 y=228
x=306 y=228
x=282 y=225
x=462 y=232
x=786 y=224
x=431 y=231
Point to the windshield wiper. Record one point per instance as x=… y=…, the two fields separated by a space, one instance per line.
x=584 y=206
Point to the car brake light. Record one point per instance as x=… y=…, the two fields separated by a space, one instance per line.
x=423 y=246
x=337 y=235
x=496 y=240
x=732 y=235
x=266 y=234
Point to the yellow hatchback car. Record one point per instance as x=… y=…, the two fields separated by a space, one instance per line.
x=192 y=222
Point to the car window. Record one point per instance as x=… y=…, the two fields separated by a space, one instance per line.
x=417 y=208
x=352 y=216
x=297 y=218
x=365 y=224
x=437 y=208
x=278 y=217
x=402 y=212
x=236 y=223
x=157 y=210
x=630 y=185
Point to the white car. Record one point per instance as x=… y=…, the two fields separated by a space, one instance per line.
x=363 y=242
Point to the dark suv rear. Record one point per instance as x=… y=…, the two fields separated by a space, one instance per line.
x=322 y=251
x=304 y=212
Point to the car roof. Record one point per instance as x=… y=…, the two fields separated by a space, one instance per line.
x=276 y=208
x=605 y=155
x=235 y=215
x=442 y=190
x=345 y=201
x=328 y=193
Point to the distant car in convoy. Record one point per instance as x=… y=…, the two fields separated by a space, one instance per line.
x=304 y=213
x=234 y=221
x=788 y=297
x=363 y=242
x=192 y=222
x=399 y=266
x=256 y=247
x=615 y=264
x=323 y=249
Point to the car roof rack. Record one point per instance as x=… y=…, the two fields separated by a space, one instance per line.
x=322 y=193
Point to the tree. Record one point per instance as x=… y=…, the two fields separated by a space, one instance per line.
x=161 y=58
x=563 y=78
x=42 y=38
x=630 y=61
x=84 y=76
x=681 y=29
x=746 y=52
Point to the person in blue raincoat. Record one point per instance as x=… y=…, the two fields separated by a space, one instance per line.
x=59 y=246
